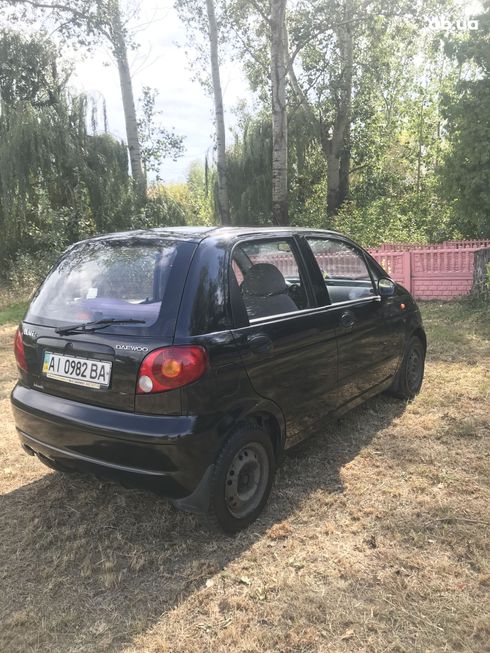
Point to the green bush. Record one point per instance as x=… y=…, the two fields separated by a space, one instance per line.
x=410 y=219
x=160 y=210
x=26 y=271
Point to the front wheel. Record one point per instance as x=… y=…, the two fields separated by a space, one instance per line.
x=408 y=380
x=242 y=478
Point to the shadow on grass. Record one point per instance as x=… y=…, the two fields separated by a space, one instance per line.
x=87 y=565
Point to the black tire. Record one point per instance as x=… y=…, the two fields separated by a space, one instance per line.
x=242 y=478
x=408 y=380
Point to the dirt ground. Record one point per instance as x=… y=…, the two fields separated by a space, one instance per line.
x=376 y=537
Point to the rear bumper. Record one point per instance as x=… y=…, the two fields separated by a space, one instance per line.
x=169 y=454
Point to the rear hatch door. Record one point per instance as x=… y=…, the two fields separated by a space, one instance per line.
x=69 y=352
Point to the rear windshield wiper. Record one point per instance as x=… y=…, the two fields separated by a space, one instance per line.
x=95 y=326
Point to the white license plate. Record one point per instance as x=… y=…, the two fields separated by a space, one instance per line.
x=80 y=371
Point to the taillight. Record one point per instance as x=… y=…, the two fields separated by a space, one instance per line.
x=171 y=367
x=19 y=352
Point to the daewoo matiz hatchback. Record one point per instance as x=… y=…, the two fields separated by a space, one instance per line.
x=189 y=359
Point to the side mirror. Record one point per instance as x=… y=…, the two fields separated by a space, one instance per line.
x=386 y=287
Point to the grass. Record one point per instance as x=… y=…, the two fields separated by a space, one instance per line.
x=13 y=305
x=12 y=312
x=376 y=537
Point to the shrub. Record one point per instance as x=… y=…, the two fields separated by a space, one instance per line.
x=160 y=210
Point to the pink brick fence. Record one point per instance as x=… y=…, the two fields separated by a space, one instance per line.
x=448 y=244
x=442 y=271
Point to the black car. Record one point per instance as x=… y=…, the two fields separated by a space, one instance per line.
x=189 y=359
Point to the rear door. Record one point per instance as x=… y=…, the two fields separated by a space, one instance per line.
x=129 y=280
x=287 y=346
x=368 y=343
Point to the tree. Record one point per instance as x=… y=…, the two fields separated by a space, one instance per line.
x=261 y=40
x=58 y=181
x=279 y=113
x=344 y=50
x=365 y=82
x=333 y=126
x=86 y=20
x=157 y=143
x=337 y=146
x=326 y=28
x=465 y=174
x=205 y=34
x=250 y=172
x=223 y=202
x=112 y=27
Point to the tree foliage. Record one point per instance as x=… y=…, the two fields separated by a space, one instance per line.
x=411 y=165
x=61 y=178
x=157 y=142
x=465 y=175
x=82 y=24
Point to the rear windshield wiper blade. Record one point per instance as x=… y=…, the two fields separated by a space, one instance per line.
x=95 y=326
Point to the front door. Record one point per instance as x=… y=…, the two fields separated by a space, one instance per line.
x=288 y=348
x=367 y=342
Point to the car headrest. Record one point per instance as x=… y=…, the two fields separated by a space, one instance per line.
x=263 y=280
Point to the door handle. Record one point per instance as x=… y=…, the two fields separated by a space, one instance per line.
x=260 y=343
x=347 y=319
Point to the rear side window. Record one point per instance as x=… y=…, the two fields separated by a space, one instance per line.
x=343 y=268
x=109 y=279
x=269 y=278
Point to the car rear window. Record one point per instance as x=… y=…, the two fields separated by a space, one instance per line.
x=113 y=279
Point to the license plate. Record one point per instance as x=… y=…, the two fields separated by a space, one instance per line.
x=80 y=371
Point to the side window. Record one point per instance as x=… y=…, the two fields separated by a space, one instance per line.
x=343 y=268
x=238 y=272
x=269 y=278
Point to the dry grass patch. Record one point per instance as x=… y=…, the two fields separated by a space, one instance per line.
x=375 y=538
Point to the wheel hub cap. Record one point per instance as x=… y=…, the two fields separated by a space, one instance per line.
x=246 y=479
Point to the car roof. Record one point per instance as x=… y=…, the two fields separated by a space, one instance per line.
x=199 y=233
x=268 y=231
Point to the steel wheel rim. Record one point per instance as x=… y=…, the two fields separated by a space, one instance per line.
x=246 y=480
x=414 y=369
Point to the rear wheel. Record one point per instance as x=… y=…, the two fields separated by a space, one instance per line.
x=242 y=478
x=408 y=380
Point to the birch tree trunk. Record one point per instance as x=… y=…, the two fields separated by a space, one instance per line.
x=223 y=202
x=338 y=159
x=335 y=138
x=334 y=177
x=279 y=114
x=345 y=157
x=121 y=55
x=345 y=165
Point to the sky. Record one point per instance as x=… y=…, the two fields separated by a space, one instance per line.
x=161 y=62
